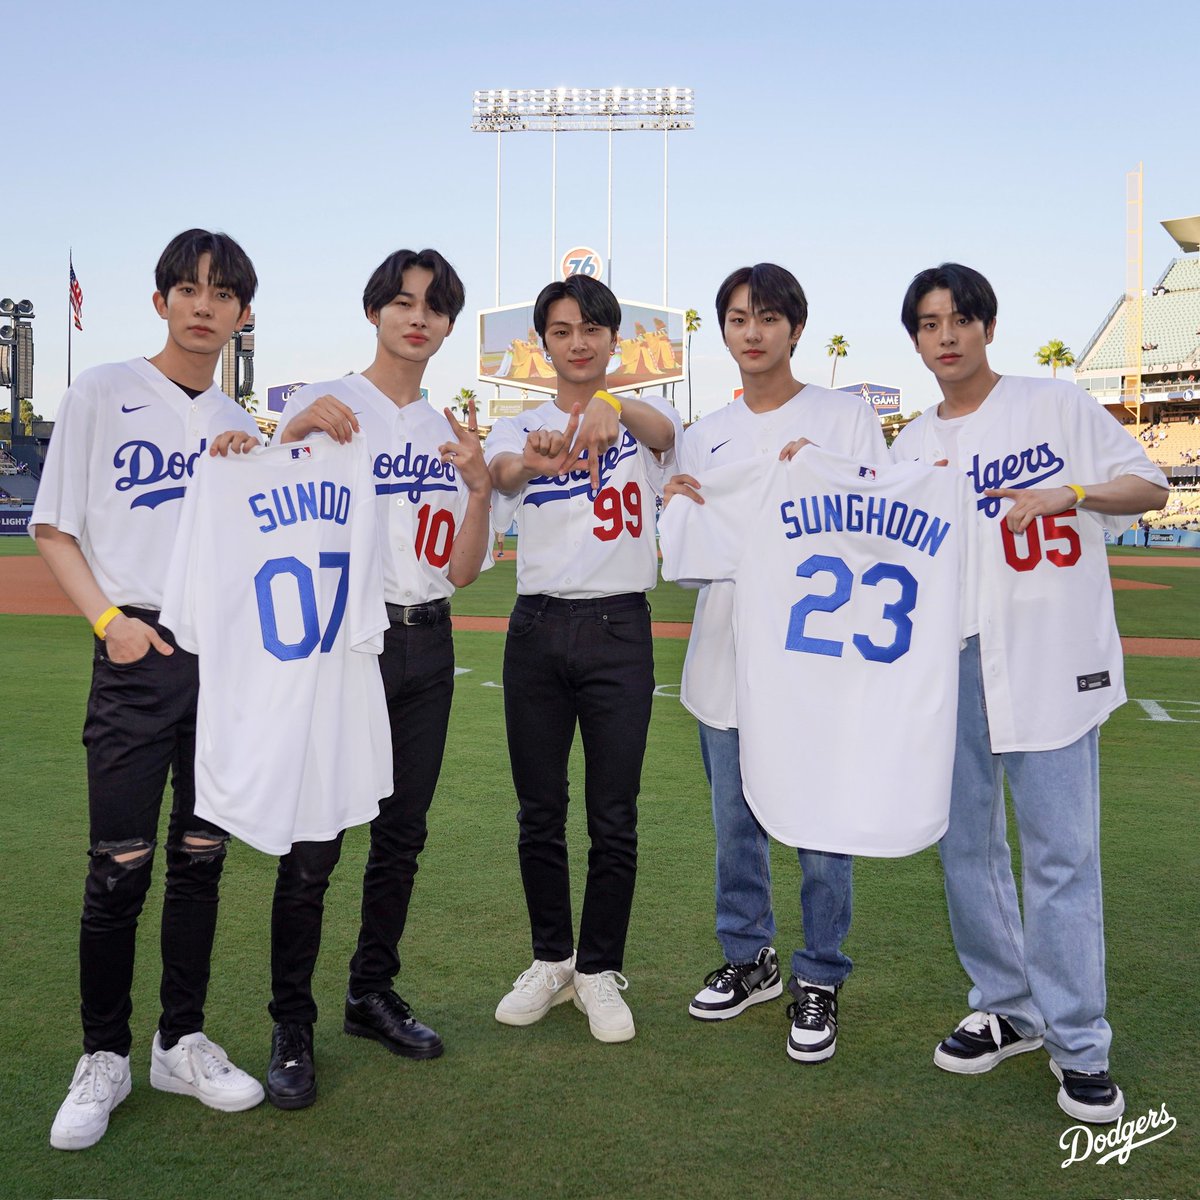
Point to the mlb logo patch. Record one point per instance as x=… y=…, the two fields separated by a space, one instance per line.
x=866 y=472
x=302 y=452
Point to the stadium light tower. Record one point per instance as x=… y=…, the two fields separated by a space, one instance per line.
x=16 y=356
x=563 y=109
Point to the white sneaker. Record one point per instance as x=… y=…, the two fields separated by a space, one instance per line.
x=194 y=1066
x=599 y=996
x=814 y=1015
x=536 y=991
x=101 y=1082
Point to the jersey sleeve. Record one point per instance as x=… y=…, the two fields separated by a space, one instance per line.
x=1102 y=450
x=63 y=490
x=660 y=468
x=703 y=542
x=367 y=612
x=182 y=585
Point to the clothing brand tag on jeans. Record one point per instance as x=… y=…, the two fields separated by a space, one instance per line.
x=1089 y=683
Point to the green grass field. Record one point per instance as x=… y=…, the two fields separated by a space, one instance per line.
x=683 y=1109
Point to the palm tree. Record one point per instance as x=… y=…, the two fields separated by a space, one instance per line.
x=460 y=402
x=691 y=320
x=1054 y=355
x=838 y=348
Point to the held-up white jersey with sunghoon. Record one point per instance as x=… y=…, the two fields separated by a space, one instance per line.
x=848 y=612
x=571 y=543
x=420 y=501
x=276 y=585
x=125 y=444
x=835 y=421
x=1052 y=662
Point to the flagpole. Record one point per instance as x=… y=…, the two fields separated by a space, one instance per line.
x=70 y=308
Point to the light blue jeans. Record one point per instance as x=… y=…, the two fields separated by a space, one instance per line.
x=745 y=920
x=1045 y=973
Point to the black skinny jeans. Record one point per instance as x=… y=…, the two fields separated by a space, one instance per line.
x=140 y=726
x=591 y=662
x=417 y=665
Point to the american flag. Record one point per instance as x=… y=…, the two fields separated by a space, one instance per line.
x=76 y=300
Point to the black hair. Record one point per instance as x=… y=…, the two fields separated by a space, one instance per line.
x=597 y=304
x=772 y=289
x=445 y=294
x=971 y=293
x=229 y=266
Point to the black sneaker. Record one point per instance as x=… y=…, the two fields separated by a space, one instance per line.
x=385 y=1017
x=291 y=1077
x=813 y=1035
x=732 y=988
x=980 y=1042
x=1088 y=1095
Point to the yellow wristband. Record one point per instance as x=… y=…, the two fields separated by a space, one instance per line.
x=104 y=620
x=1080 y=494
x=609 y=398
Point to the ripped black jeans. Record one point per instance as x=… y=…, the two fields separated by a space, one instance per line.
x=140 y=727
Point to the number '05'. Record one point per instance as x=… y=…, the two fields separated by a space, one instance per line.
x=1036 y=543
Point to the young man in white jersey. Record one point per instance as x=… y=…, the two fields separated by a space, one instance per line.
x=1051 y=470
x=762 y=311
x=579 y=647
x=432 y=495
x=125 y=444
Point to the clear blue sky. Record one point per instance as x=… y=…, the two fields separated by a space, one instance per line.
x=855 y=143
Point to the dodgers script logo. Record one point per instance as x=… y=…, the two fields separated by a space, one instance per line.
x=1038 y=462
x=414 y=474
x=563 y=487
x=146 y=465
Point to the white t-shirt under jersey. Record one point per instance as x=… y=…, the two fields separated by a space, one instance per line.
x=836 y=421
x=276 y=585
x=848 y=613
x=574 y=544
x=420 y=502
x=126 y=443
x=1052 y=662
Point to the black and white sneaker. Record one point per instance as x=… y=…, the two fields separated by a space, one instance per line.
x=980 y=1042
x=1088 y=1095
x=813 y=1036
x=734 y=987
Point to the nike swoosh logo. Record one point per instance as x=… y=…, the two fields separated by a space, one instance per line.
x=136 y=408
x=719 y=445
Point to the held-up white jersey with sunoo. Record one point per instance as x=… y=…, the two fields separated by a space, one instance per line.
x=126 y=442
x=571 y=543
x=848 y=614
x=835 y=421
x=276 y=585
x=1052 y=662
x=420 y=501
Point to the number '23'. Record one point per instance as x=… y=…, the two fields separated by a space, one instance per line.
x=899 y=612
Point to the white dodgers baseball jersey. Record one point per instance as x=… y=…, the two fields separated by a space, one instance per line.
x=573 y=543
x=835 y=421
x=848 y=614
x=276 y=585
x=126 y=443
x=1051 y=656
x=420 y=501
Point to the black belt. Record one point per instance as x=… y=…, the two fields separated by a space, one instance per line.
x=432 y=613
